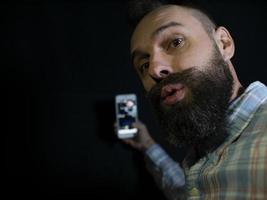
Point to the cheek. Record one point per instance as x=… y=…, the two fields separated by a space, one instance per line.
x=194 y=58
x=196 y=53
x=148 y=83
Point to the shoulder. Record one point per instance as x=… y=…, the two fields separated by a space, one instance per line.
x=259 y=120
x=256 y=131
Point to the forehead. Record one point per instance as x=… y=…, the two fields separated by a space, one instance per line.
x=161 y=16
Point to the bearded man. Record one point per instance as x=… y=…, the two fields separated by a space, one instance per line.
x=184 y=62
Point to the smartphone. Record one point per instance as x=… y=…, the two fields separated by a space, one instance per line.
x=126 y=114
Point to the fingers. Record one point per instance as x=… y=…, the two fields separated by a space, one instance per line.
x=142 y=130
x=128 y=141
x=139 y=125
x=131 y=143
x=115 y=127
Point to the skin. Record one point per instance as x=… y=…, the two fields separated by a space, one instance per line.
x=171 y=39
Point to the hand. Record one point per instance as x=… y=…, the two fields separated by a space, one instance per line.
x=142 y=141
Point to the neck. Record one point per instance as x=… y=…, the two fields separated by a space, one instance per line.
x=237 y=91
x=237 y=87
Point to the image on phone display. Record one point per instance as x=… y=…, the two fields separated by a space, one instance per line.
x=126 y=108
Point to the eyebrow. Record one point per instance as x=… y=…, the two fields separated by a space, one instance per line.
x=142 y=55
x=164 y=27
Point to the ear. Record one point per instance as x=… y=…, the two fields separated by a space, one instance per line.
x=225 y=43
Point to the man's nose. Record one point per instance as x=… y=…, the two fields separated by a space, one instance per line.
x=159 y=70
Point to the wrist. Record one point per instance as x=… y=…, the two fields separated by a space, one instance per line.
x=148 y=143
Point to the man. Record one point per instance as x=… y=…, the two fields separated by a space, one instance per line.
x=184 y=62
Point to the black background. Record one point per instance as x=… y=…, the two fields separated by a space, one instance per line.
x=63 y=63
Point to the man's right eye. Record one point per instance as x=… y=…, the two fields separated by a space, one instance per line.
x=143 y=67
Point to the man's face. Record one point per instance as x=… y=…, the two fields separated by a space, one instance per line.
x=167 y=41
x=186 y=78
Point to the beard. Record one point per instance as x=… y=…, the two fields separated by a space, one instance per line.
x=199 y=119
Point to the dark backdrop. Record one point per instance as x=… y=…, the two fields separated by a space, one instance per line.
x=63 y=63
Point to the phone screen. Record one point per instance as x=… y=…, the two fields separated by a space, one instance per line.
x=126 y=115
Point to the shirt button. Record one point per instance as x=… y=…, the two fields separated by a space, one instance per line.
x=194 y=192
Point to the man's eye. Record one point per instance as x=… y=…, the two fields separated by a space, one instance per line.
x=143 y=67
x=176 y=42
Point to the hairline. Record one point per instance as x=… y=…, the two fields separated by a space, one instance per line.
x=206 y=21
x=208 y=24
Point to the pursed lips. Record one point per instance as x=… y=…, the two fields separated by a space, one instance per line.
x=172 y=93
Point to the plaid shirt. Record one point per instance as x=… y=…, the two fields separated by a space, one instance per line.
x=237 y=169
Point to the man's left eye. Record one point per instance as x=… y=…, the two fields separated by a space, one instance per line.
x=176 y=42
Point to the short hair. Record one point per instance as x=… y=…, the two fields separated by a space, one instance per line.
x=137 y=9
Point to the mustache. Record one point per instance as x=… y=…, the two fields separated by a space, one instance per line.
x=178 y=77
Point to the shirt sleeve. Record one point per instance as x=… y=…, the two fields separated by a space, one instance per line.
x=168 y=174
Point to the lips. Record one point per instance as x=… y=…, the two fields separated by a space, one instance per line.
x=172 y=93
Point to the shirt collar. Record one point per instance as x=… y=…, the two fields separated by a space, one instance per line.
x=242 y=110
